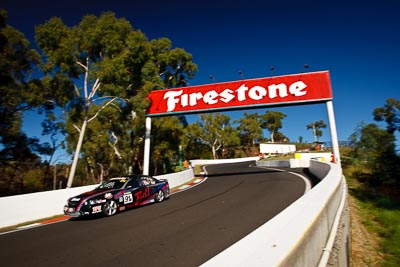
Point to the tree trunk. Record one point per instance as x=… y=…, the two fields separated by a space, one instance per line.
x=214 y=152
x=315 y=133
x=76 y=155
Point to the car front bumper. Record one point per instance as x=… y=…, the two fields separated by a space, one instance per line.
x=69 y=211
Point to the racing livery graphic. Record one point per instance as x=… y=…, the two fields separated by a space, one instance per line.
x=118 y=194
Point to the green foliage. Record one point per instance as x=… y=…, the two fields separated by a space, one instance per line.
x=373 y=158
x=215 y=132
x=167 y=136
x=316 y=127
x=18 y=92
x=381 y=215
x=249 y=129
x=118 y=67
x=19 y=164
x=272 y=121
x=374 y=154
x=390 y=113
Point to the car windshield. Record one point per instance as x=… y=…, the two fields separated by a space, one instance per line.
x=113 y=184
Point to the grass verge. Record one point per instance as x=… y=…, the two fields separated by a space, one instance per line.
x=380 y=214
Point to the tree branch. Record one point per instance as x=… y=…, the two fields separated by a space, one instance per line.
x=114 y=146
x=103 y=107
x=83 y=66
x=77 y=91
x=77 y=128
x=95 y=87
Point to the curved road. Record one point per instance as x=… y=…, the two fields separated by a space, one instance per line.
x=186 y=230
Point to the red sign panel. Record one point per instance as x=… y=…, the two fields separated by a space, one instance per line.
x=244 y=94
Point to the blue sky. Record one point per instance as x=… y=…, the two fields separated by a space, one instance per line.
x=357 y=41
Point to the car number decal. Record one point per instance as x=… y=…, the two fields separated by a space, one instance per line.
x=96 y=209
x=128 y=198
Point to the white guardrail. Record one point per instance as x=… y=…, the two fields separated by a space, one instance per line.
x=303 y=234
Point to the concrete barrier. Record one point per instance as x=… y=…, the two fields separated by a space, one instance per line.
x=29 y=207
x=274 y=163
x=299 y=163
x=179 y=178
x=194 y=162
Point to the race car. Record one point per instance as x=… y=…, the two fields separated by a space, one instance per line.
x=118 y=194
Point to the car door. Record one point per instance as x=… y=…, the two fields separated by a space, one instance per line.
x=132 y=190
x=143 y=196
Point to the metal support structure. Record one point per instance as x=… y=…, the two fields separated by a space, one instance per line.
x=321 y=82
x=180 y=157
x=146 y=160
x=334 y=137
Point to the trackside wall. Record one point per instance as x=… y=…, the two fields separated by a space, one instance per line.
x=177 y=179
x=194 y=162
x=29 y=207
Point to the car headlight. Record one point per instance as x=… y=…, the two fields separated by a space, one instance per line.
x=95 y=201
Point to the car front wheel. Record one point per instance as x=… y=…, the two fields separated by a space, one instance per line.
x=110 y=208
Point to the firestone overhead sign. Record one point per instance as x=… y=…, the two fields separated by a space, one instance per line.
x=244 y=94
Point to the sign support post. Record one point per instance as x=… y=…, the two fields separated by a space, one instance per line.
x=334 y=137
x=146 y=160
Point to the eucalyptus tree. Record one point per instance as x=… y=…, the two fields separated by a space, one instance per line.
x=390 y=112
x=272 y=121
x=103 y=64
x=375 y=150
x=316 y=127
x=214 y=131
x=167 y=141
x=19 y=92
x=281 y=138
x=249 y=128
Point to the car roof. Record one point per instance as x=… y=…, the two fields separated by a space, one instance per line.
x=135 y=176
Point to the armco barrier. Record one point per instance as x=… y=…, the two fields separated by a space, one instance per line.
x=301 y=235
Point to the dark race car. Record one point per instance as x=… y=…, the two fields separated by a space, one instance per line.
x=118 y=194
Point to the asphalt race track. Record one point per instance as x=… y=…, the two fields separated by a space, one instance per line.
x=186 y=230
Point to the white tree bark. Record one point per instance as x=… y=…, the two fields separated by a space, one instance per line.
x=82 y=130
x=76 y=155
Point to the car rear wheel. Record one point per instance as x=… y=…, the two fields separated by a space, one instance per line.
x=110 y=208
x=160 y=196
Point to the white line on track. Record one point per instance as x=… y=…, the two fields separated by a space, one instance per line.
x=305 y=179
